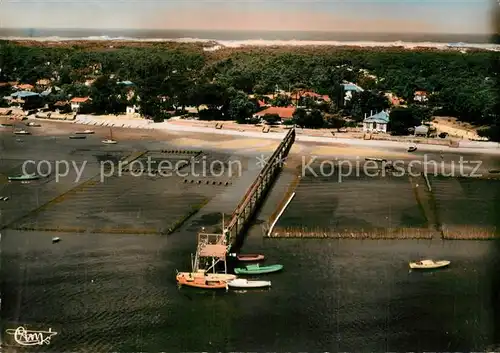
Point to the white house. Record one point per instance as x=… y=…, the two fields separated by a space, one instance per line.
x=376 y=123
x=77 y=102
x=349 y=89
x=132 y=109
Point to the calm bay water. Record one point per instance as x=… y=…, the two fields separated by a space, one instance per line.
x=118 y=293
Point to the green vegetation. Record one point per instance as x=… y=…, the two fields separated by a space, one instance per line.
x=171 y=77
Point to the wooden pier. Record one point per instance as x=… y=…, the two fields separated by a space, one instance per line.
x=210 y=245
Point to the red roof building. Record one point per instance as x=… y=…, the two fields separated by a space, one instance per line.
x=80 y=99
x=283 y=112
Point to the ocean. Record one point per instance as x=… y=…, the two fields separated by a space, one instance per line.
x=207 y=35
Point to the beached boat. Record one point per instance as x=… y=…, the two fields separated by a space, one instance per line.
x=250 y=257
x=84 y=132
x=22 y=132
x=412 y=149
x=25 y=177
x=109 y=140
x=77 y=137
x=33 y=124
x=243 y=283
x=257 y=269
x=375 y=159
x=201 y=282
x=428 y=264
x=209 y=276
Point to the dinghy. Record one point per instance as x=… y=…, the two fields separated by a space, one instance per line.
x=250 y=257
x=412 y=149
x=56 y=240
x=32 y=124
x=243 y=283
x=25 y=177
x=257 y=269
x=84 y=132
x=77 y=137
x=428 y=264
x=201 y=282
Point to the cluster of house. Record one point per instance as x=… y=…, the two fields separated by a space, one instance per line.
x=27 y=96
x=375 y=122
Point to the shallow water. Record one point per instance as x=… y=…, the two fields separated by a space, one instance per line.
x=118 y=293
x=105 y=293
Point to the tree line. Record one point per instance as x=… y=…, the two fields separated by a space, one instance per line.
x=169 y=77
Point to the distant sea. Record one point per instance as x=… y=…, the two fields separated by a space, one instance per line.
x=202 y=35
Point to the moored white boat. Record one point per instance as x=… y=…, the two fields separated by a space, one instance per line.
x=428 y=264
x=21 y=132
x=109 y=142
x=243 y=283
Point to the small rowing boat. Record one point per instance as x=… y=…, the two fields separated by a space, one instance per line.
x=243 y=283
x=412 y=149
x=25 y=177
x=201 y=282
x=257 y=269
x=84 y=132
x=56 y=240
x=428 y=264
x=77 y=137
x=250 y=257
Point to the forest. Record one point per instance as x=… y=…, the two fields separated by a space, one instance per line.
x=462 y=85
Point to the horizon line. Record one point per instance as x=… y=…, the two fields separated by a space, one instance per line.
x=245 y=30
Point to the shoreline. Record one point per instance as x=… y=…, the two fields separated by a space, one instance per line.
x=169 y=126
x=216 y=45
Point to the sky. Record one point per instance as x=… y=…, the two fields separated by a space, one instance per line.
x=386 y=16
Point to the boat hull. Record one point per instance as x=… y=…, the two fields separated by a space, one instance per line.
x=23 y=178
x=250 y=257
x=84 y=132
x=241 y=283
x=433 y=266
x=209 y=276
x=202 y=283
x=258 y=270
x=79 y=137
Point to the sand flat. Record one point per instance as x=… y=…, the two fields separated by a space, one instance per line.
x=355 y=152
